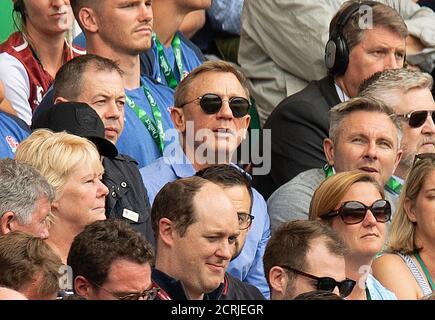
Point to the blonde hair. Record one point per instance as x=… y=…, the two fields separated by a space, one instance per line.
x=330 y=192
x=402 y=233
x=57 y=155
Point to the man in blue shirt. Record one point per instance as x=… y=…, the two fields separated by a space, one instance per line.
x=121 y=34
x=211 y=115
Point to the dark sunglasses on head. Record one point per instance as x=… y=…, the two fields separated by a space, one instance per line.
x=353 y=212
x=211 y=103
x=417 y=118
x=423 y=156
x=345 y=287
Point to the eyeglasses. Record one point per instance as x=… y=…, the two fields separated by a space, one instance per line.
x=345 y=287
x=353 y=212
x=423 y=156
x=147 y=294
x=245 y=220
x=417 y=118
x=211 y=103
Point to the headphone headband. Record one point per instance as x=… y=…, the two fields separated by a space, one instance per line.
x=336 y=50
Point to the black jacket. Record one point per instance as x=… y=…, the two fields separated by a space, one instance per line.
x=230 y=289
x=298 y=126
x=127 y=191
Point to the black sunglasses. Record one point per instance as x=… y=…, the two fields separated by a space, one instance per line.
x=211 y=103
x=423 y=156
x=245 y=220
x=345 y=287
x=417 y=118
x=353 y=212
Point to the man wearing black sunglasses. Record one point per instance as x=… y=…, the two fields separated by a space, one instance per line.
x=408 y=93
x=211 y=116
x=365 y=135
x=303 y=256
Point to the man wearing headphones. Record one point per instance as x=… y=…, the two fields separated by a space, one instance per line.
x=365 y=37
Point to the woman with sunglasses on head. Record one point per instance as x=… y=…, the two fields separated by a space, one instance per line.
x=408 y=267
x=353 y=204
x=31 y=57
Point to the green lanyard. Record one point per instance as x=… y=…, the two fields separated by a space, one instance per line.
x=426 y=272
x=329 y=171
x=155 y=129
x=164 y=63
x=394 y=185
x=369 y=297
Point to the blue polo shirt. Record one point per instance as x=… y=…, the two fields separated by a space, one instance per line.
x=248 y=266
x=12 y=131
x=135 y=140
x=191 y=58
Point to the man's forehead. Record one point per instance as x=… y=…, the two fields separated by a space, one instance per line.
x=367 y=121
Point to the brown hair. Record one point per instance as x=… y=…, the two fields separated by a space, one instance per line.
x=291 y=242
x=183 y=88
x=22 y=256
x=175 y=201
x=101 y=243
x=382 y=15
x=330 y=192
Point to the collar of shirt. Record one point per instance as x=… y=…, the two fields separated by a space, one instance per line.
x=341 y=94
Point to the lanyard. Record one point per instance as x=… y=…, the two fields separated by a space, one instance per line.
x=329 y=171
x=155 y=129
x=369 y=297
x=164 y=63
x=394 y=186
x=426 y=272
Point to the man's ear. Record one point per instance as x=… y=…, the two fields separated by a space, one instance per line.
x=178 y=118
x=328 y=149
x=7 y=222
x=88 y=19
x=278 y=280
x=166 y=231
x=82 y=287
x=60 y=99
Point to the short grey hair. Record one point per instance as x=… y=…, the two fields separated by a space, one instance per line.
x=385 y=84
x=21 y=187
x=344 y=109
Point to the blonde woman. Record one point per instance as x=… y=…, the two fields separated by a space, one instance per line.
x=72 y=165
x=30 y=58
x=408 y=267
x=353 y=204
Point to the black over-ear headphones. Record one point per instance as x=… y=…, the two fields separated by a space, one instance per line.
x=19 y=7
x=336 y=50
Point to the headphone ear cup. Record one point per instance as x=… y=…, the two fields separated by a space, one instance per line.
x=336 y=56
x=19 y=7
x=341 y=56
x=330 y=54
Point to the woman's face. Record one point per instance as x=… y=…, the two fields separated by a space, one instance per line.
x=367 y=237
x=82 y=199
x=48 y=16
x=422 y=212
